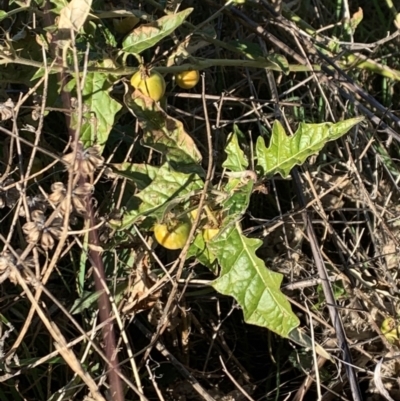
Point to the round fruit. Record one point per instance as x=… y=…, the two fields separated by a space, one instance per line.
x=210 y=233
x=172 y=236
x=390 y=331
x=187 y=79
x=193 y=214
x=152 y=85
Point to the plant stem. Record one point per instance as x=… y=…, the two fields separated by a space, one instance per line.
x=200 y=65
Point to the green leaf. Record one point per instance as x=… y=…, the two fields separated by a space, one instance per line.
x=140 y=174
x=245 y=277
x=58 y=6
x=202 y=253
x=122 y=14
x=162 y=189
x=280 y=61
x=148 y=35
x=284 y=152
x=168 y=188
x=250 y=50
x=40 y=72
x=87 y=299
x=236 y=160
x=99 y=118
x=253 y=51
x=165 y=135
x=237 y=200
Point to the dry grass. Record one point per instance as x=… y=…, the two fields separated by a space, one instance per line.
x=58 y=251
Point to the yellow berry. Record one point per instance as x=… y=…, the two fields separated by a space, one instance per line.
x=390 y=331
x=210 y=233
x=151 y=85
x=187 y=79
x=172 y=236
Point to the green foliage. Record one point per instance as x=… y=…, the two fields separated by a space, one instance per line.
x=86 y=300
x=236 y=159
x=237 y=198
x=200 y=250
x=101 y=108
x=280 y=62
x=168 y=188
x=284 y=152
x=141 y=174
x=244 y=276
x=165 y=134
x=176 y=183
x=151 y=166
x=148 y=35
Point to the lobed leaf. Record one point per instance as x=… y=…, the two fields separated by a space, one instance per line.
x=167 y=189
x=245 y=277
x=284 y=152
x=236 y=159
